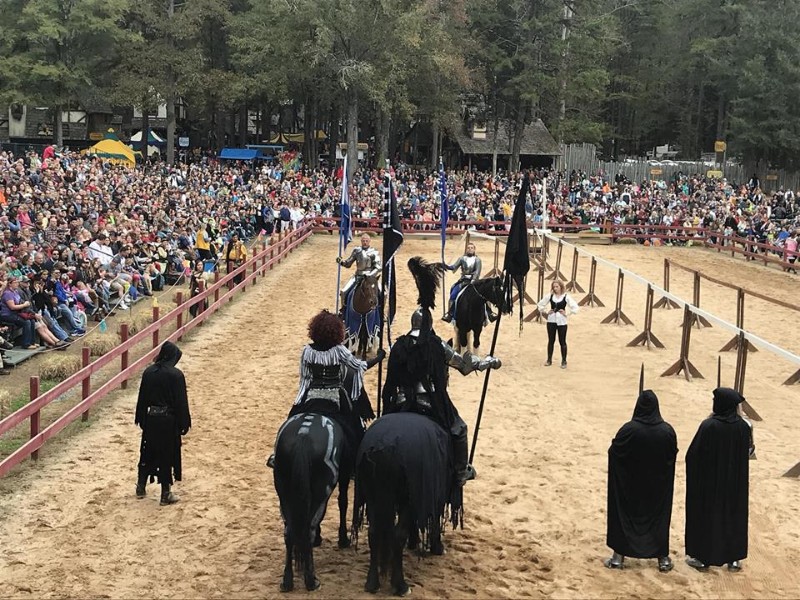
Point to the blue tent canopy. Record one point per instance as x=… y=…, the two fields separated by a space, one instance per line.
x=239 y=154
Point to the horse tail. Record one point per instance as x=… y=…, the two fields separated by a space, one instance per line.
x=300 y=513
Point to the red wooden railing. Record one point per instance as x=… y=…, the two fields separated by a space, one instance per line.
x=767 y=253
x=255 y=266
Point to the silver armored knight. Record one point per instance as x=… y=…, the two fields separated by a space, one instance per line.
x=470 y=265
x=368 y=263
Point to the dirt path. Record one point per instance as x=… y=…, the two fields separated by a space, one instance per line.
x=535 y=522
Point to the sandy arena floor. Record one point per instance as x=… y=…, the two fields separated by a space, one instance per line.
x=535 y=520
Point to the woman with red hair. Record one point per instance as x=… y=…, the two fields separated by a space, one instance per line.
x=332 y=380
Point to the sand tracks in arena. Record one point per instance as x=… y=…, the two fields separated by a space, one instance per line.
x=535 y=520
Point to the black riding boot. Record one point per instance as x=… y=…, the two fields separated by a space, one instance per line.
x=167 y=497
x=464 y=471
x=141 y=483
x=449 y=316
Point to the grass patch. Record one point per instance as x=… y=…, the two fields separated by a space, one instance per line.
x=18 y=436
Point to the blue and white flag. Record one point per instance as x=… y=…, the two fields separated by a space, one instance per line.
x=346 y=225
x=445 y=208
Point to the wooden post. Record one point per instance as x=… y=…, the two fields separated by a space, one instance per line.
x=696 y=319
x=34 y=393
x=201 y=305
x=741 y=370
x=263 y=253
x=280 y=246
x=86 y=384
x=683 y=363
x=646 y=338
x=179 y=322
x=573 y=285
x=591 y=298
x=156 y=312
x=543 y=264
x=617 y=315
x=536 y=314
x=733 y=344
x=123 y=359
x=665 y=302
x=271 y=256
x=216 y=291
x=557 y=274
x=495 y=272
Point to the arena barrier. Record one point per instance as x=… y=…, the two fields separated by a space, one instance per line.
x=648 y=234
x=260 y=262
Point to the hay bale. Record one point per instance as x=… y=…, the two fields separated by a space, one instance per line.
x=5 y=404
x=138 y=322
x=626 y=241
x=57 y=367
x=101 y=344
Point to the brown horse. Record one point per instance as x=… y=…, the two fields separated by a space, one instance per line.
x=361 y=314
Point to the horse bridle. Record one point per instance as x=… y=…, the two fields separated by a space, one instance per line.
x=477 y=291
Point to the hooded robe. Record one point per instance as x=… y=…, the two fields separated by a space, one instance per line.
x=717 y=482
x=164 y=386
x=641 y=476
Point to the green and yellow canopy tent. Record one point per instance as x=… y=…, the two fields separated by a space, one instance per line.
x=111 y=149
x=296 y=138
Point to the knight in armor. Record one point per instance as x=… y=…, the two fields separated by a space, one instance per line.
x=332 y=382
x=368 y=264
x=470 y=265
x=417 y=370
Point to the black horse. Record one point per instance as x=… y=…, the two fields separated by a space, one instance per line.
x=404 y=479
x=308 y=452
x=471 y=310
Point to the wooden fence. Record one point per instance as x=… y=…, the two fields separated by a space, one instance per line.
x=221 y=291
x=583 y=157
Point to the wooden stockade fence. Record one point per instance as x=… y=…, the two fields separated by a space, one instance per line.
x=258 y=264
x=583 y=157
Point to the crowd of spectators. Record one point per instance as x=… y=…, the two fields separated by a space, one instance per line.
x=81 y=238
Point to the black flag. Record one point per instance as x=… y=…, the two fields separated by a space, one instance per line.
x=392 y=240
x=517 y=262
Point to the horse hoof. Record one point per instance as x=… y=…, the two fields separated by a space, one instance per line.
x=313 y=585
x=287 y=586
x=372 y=587
x=344 y=543
x=317 y=542
x=402 y=590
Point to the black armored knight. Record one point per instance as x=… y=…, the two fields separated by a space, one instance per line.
x=417 y=371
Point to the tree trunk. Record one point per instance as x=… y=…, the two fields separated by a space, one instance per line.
x=434 y=145
x=308 y=157
x=519 y=130
x=170 y=99
x=721 y=117
x=382 y=137
x=698 y=149
x=58 y=126
x=562 y=109
x=243 y=123
x=333 y=133
x=352 y=133
x=145 y=129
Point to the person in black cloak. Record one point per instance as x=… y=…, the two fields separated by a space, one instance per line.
x=417 y=370
x=641 y=477
x=717 y=482
x=162 y=412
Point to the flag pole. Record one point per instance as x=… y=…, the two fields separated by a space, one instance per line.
x=384 y=289
x=444 y=218
x=339 y=275
x=485 y=388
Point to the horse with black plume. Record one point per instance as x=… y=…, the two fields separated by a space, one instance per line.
x=412 y=462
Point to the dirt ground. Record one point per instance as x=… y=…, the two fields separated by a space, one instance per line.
x=535 y=517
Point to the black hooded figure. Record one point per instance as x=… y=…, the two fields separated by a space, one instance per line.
x=162 y=412
x=641 y=477
x=717 y=482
